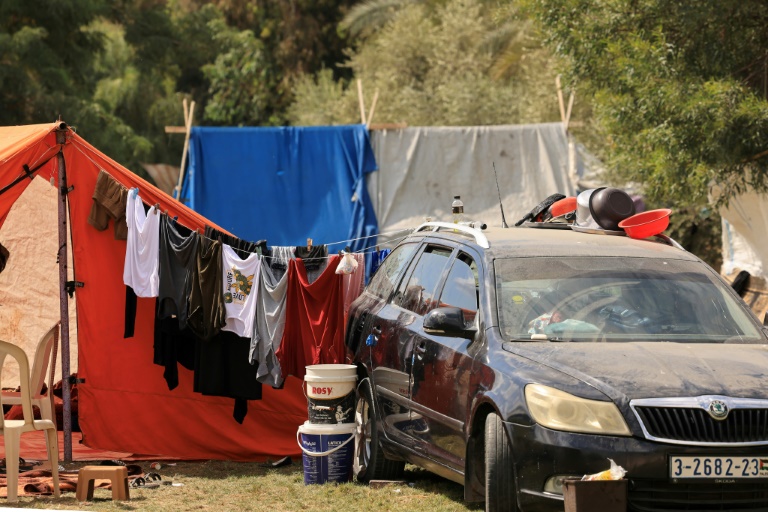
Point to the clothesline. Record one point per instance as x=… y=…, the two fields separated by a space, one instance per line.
x=361 y=251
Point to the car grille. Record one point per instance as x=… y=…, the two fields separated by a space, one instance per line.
x=696 y=425
x=662 y=496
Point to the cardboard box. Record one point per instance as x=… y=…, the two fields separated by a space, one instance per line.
x=595 y=495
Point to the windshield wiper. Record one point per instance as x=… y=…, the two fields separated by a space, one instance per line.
x=538 y=337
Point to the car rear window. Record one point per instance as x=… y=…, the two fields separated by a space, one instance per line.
x=619 y=299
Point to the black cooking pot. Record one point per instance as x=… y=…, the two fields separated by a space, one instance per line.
x=609 y=206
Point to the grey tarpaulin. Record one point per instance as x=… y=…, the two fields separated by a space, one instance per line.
x=421 y=169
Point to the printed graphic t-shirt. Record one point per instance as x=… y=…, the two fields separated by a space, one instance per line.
x=241 y=287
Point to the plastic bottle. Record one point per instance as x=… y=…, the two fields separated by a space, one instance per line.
x=458 y=209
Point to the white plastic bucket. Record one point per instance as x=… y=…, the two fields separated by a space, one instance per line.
x=328 y=451
x=330 y=390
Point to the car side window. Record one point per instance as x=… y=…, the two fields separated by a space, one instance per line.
x=385 y=279
x=418 y=294
x=461 y=287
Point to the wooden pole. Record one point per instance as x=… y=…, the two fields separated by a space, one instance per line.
x=61 y=138
x=560 y=99
x=361 y=101
x=188 y=115
x=373 y=108
x=568 y=112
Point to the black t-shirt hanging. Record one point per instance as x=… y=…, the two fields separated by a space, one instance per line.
x=178 y=259
x=243 y=248
x=312 y=256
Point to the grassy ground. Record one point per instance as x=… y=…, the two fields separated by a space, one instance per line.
x=217 y=485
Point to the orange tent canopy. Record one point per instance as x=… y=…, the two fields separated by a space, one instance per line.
x=124 y=404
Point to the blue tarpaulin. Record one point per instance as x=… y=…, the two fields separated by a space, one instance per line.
x=284 y=184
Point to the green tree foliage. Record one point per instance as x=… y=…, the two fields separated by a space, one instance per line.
x=45 y=56
x=118 y=70
x=266 y=46
x=432 y=64
x=241 y=84
x=680 y=88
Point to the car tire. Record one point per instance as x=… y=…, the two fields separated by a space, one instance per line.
x=500 y=490
x=369 y=462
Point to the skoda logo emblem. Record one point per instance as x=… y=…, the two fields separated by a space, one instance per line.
x=718 y=409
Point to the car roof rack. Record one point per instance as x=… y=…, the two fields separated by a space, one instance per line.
x=670 y=241
x=479 y=237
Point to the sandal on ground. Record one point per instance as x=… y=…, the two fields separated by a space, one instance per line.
x=113 y=462
x=23 y=466
x=141 y=482
x=156 y=478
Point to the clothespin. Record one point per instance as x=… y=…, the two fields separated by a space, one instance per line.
x=309 y=243
x=134 y=192
x=347 y=249
x=157 y=208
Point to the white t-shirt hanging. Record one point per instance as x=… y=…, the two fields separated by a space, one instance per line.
x=142 y=253
x=241 y=287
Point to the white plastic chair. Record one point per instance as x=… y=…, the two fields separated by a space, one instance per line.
x=12 y=430
x=45 y=358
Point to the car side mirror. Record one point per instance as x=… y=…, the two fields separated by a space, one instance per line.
x=448 y=321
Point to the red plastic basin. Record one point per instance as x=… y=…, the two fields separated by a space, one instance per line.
x=643 y=225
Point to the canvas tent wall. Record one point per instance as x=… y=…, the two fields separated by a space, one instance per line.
x=29 y=285
x=422 y=168
x=124 y=403
x=745 y=246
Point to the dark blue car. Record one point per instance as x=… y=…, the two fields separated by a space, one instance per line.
x=508 y=360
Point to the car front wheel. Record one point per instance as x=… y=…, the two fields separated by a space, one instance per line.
x=370 y=463
x=500 y=493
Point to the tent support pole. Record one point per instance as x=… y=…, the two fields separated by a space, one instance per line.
x=61 y=138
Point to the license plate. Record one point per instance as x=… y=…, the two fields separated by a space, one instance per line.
x=742 y=466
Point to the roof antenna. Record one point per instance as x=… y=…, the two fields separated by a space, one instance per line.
x=501 y=206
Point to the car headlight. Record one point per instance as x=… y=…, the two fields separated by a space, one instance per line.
x=559 y=410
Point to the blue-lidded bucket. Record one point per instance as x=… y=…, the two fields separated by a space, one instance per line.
x=328 y=452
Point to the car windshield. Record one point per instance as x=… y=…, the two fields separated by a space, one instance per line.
x=627 y=299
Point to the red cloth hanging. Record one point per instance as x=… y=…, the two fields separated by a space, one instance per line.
x=314 y=319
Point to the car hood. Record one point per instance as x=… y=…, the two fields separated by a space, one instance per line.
x=625 y=371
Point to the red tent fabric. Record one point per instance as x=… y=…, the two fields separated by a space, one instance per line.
x=124 y=403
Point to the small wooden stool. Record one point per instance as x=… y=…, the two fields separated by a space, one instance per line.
x=117 y=474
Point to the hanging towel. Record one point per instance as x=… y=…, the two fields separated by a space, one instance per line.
x=241 y=288
x=109 y=198
x=142 y=252
x=354 y=283
x=314 y=323
x=269 y=327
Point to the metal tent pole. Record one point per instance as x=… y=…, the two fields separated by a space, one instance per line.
x=61 y=138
